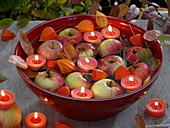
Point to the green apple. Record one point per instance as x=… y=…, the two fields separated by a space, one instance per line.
x=106 y=88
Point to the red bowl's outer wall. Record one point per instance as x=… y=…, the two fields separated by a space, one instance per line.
x=93 y=109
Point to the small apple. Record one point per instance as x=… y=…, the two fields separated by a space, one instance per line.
x=76 y=80
x=10 y=118
x=110 y=46
x=109 y=64
x=85 y=49
x=49 y=49
x=140 y=69
x=69 y=34
x=106 y=88
x=132 y=54
x=49 y=80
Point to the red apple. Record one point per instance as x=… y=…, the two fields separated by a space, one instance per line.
x=49 y=80
x=132 y=54
x=85 y=49
x=109 y=64
x=140 y=69
x=69 y=34
x=49 y=49
x=110 y=46
x=106 y=88
x=76 y=80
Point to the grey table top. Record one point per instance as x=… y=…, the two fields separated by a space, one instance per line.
x=28 y=102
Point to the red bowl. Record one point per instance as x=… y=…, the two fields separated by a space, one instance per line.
x=81 y=109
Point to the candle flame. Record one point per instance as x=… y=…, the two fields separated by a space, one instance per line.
x=45 y=99
x=92 y=34
x=110 y=28
x=35 y=115
x=82 y=90
x=156 y=103
x=2 y=93
x=87 y=60
x=131 y=78
x=36 y=58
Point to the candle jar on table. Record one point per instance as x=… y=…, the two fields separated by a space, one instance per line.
x=36 y=120
x=156 y=108
x=10 y=114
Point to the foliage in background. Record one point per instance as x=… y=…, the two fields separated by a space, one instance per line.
x=25 y=10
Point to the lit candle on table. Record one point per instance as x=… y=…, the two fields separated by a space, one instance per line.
x=110 y=32
x=82 y=93
x=156 y=108
x=36 y=120
x=35 y=61
x=7 y=99
x=93 y=37
x=131 y=82
x=87 y=63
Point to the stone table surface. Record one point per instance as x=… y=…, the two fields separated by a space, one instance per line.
x=28 y=102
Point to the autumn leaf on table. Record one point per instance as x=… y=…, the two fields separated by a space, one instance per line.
x=6 y=22
x=2 y=78
x=25 y=43
x=139 y=121
x=18 y=61
x=22 y=22
x=7 y=35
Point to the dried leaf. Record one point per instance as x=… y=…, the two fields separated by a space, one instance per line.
x=114 y=11
x=132 y=13
x=139 y=121
x=144 y=3
x=123 y=10
x=25 y=43
x=29 y=73
x=6 y=22
x=150 y=25
x=70 y=51
x=147 y=80
x=164 y=39
x=168 y=5
x=149 y=13
x=151 y=35
x=145 y=54
x=166 y=26
x=22 y=23
x=101 y=20
x=155 y=64
x=2 y=78
x=18 y=61
x=7 y=35
x=74 y=2
x=94 y=7
x=61 y=55
x=162 y=9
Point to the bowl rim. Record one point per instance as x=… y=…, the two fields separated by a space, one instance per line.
x=157 y=72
